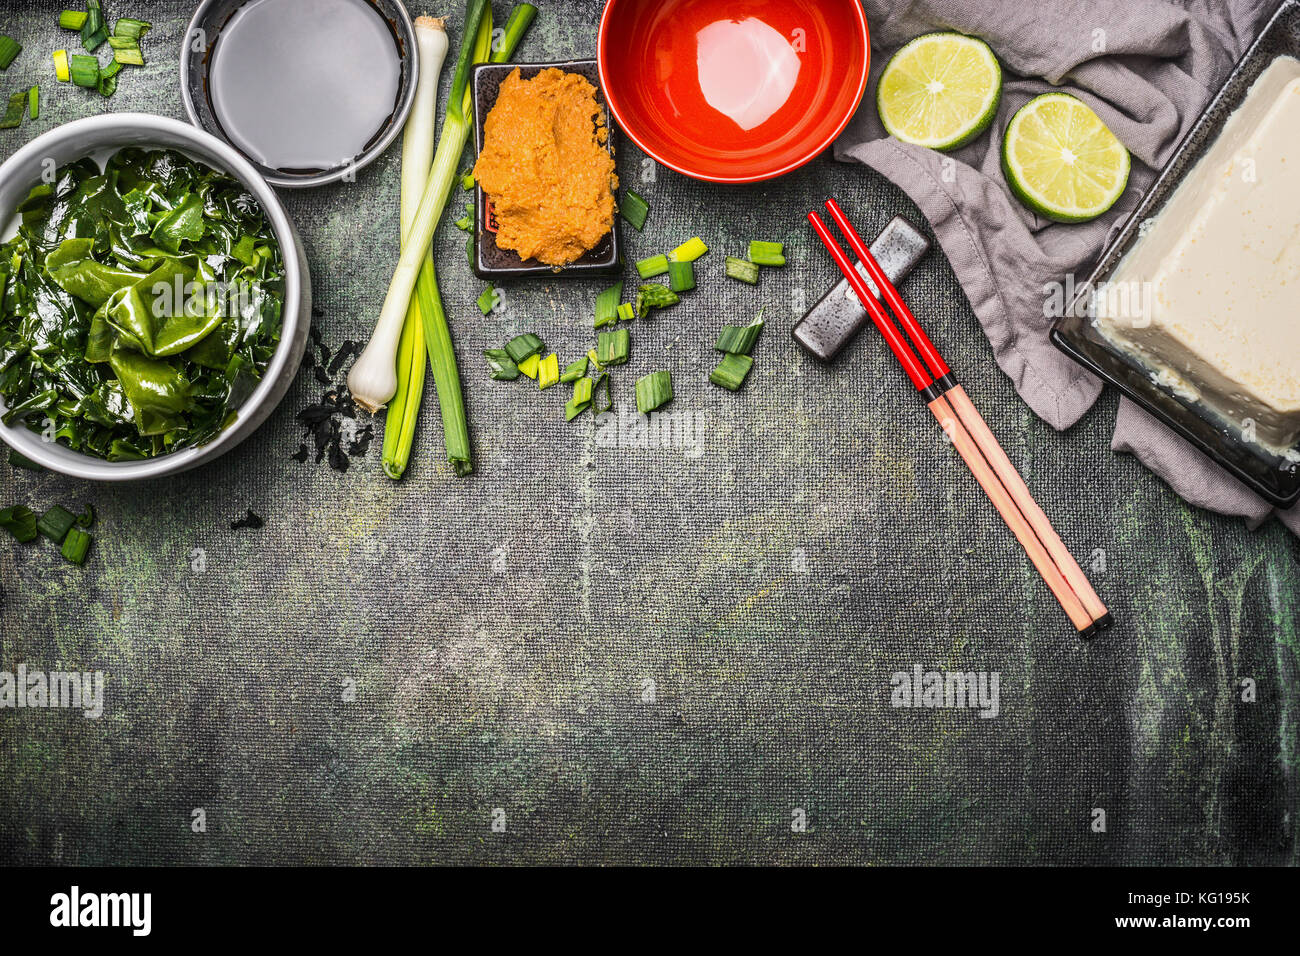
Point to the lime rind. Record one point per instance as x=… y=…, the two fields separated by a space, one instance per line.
x=959 y=111
x=1050 y=188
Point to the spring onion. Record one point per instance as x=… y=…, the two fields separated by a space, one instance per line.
x=742 y=269
x=548 y=372
x=108 y=86
x=731 y=371
x=72 y=20
x=654 y=296
x=75 y=546
x=467 y=182
x=612 y=348
x=94 y=31
x=594 y=361
x=61 y=66
x=126 y=51
x=34 y=102
x=581 y=400
x=689 y=251
x=522 y=346
x=634 y=209
x=503 y=366
x=609 y=395
x=85 y=71
x=653 y=391
x=87 y=517
x=607 y=305
x=20 y=522
x=626 y=312
x=653 y=266
x=767 y=253
x=54 y=524
x=573 y=408
x=487 y=300
x=530 y=366
x=466 y=222
x=134 y=29
x=740 y=339
x=681 y=276
x=575 y=370
x=9 y=50
x=13 y=115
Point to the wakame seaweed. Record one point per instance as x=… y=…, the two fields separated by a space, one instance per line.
x=139 y=305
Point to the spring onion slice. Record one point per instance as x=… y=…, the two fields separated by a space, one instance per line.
x=503 y=366
x=75 y=546
x=108 y=79
x=731 y=371
x=14 y=111
x=740 y=339
x=582 y=390
x=530 y=366
x=9 y=49
x=689 y=251
x=522 y=346
x=612 y=348
x=54 y=524
x=127 y=56
x=548 y=372
x=94 y=31
x=654 y=296
x=607 y=305
x=573 y=408
x=594 y=361
x=134 y=29
x=87 y=517
x=742 y=269
x=653 y=266
x=627 y=312
x=487 y=300
x=609 y=395
x=73 y=20
x=20 y=522
x=85 y=71
x=681 y=276
x=34 y=102
x=61 y=66
x=654 y=391
x=467 y=182
x=767 y=253
x=634 y=209
x=575 y=370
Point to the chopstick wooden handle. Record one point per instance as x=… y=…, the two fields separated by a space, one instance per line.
x=1016 y=521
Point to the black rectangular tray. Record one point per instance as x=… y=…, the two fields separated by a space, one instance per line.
x=1273 y=478
x=491 y=262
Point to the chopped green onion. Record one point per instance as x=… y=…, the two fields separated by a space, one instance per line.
x=466 y=222
x=9 y=49
x=651 y=267
x=487 y=301
x=469 y=249
x=742 y=269
x=548 y=372
x=467 y=182
x=503 y=366
x=87 y=517
x=22 y=461
x=582 y=390
x=731 y=371
x=681 y=276
x=55 y=523
x=61 y=66
x=20 y=522
x=689 y=251
x=609 y=395
x=767 y=253
x=34 y=102
x=573 y=408
x=626 y=312
x=522 y=346
x=634 y=209
x=126 y=51
x=94 y=31
x=72 y=20
x=740 y=339
x=612 y=348
x=654 y=296
x=108 y=79
x=594 y=361
x=530 y=366
x=85 y=71
x=134 y=29
x=575 y=370
x=654 y=391
x=607 y=305
x=75 y=546
x=14 y=111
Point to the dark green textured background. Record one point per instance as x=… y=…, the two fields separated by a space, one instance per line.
x=499 y=629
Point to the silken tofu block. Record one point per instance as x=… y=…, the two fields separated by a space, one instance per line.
x=1209 y=297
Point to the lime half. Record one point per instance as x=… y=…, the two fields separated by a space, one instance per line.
x=940 y=91
x=1062 y=161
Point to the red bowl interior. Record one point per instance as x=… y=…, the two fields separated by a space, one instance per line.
x=653 y=54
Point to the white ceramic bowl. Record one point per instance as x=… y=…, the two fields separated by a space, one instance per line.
x=94 y=136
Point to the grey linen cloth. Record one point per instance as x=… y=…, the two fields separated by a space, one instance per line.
x=1148 y=67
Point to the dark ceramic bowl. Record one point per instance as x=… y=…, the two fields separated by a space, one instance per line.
x=491 y=262
x=200 y=41
x=1273 y=478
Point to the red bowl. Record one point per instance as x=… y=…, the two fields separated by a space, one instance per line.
x=733 y=91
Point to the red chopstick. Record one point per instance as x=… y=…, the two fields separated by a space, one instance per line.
x=968 y=431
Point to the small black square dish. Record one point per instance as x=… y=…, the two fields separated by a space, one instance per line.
x=1273 y=477
x=491 y=262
